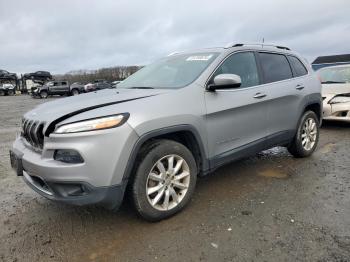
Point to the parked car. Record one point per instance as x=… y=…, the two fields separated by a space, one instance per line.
x=7 y=75
x=7 y=89
x=52 y=88
x=180 y=117
x=38 y=75
x=115 y=84
x=89 y=87
x=102 y=84
x=76 y=88
x=336 y=92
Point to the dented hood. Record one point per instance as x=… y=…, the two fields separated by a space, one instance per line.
x=61 y=109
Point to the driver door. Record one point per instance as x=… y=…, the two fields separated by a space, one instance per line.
x=236 y=118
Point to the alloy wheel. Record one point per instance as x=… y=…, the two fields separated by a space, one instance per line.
x=309 y=134
x=168 y=182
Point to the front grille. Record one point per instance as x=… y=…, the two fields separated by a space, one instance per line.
x=32 y=132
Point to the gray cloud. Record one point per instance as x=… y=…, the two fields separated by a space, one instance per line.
x=60 y=36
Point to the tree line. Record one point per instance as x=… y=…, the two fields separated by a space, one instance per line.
x=110 y=74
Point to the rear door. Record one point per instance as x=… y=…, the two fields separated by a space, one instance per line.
x=285 y=95
x=236 y=118
x=55 y=88
x=64 y=88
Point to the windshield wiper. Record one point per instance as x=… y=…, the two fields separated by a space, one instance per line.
x=333 y=82
x=141 y=87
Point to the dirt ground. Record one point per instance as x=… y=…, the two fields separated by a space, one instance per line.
x=271 y=207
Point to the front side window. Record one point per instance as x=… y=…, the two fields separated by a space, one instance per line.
x=298 y=67
x=241 y=64
x=172 y=72
x=335 y=75
x=275 y=67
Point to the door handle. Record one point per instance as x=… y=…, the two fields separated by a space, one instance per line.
x=259 y=95
x=299 y=87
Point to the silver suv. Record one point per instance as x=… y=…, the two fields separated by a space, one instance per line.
x=180 y=117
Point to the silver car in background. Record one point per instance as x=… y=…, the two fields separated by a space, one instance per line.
x=336 y=92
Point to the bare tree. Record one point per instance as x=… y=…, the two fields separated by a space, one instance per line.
x=109 y=74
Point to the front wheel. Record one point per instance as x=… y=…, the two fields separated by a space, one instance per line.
x=2 y=92
x=307 y=136
x=44 y=94
x=164 y=181
x=11 y=92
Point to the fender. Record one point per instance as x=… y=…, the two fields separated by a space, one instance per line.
x=163 y=131
x=313 y=99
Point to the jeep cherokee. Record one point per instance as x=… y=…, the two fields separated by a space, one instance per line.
x=182 y=116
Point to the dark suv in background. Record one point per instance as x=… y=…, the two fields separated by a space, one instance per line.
x=102 y=84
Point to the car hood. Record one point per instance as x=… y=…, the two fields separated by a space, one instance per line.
x=64 y=108
x=335 y=89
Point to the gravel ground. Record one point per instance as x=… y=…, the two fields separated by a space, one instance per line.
x=271 y=207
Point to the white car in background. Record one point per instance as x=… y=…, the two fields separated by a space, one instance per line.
x=336 y=92
x=89 y=87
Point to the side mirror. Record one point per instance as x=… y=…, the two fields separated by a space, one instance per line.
x=225 y=81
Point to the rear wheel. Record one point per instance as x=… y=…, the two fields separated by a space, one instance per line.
x=75 y=92
x=2 y=92
x=164 y=181
x=307 y=136
x=10 y=92
x=44 y=94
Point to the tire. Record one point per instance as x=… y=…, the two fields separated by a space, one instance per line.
x=75 y=92
x=10 y=92
x=44 y=94
x=162 y=151
x=2 y=92
x=304 y=142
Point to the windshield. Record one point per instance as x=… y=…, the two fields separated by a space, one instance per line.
x=171 y=72
x=335 y=75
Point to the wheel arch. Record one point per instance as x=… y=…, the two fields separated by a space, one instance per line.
x=184 y=134
x=74 y=88
x=316 y=107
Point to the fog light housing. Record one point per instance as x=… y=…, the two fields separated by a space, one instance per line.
x=69 y=156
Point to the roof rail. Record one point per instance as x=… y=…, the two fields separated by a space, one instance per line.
x=174 y=53
x=259 y=44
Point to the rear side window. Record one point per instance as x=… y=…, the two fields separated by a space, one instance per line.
x=275 y=67
x=297 y=66
x=242 y=64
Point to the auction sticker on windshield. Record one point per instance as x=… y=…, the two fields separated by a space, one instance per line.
x=199 y=58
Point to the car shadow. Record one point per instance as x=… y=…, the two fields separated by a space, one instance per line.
x=335 y=124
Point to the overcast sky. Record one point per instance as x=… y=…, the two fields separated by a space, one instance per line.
x=61 y=35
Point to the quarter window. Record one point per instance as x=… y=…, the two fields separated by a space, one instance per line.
x=297 y=66
x=242 y=64
x=275 y=67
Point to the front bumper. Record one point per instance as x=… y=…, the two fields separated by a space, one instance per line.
x=336 y=112
x=77 y=193
x=98 y=180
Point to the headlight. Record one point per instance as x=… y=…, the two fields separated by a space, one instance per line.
x=340 y=99
x=93 y=124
